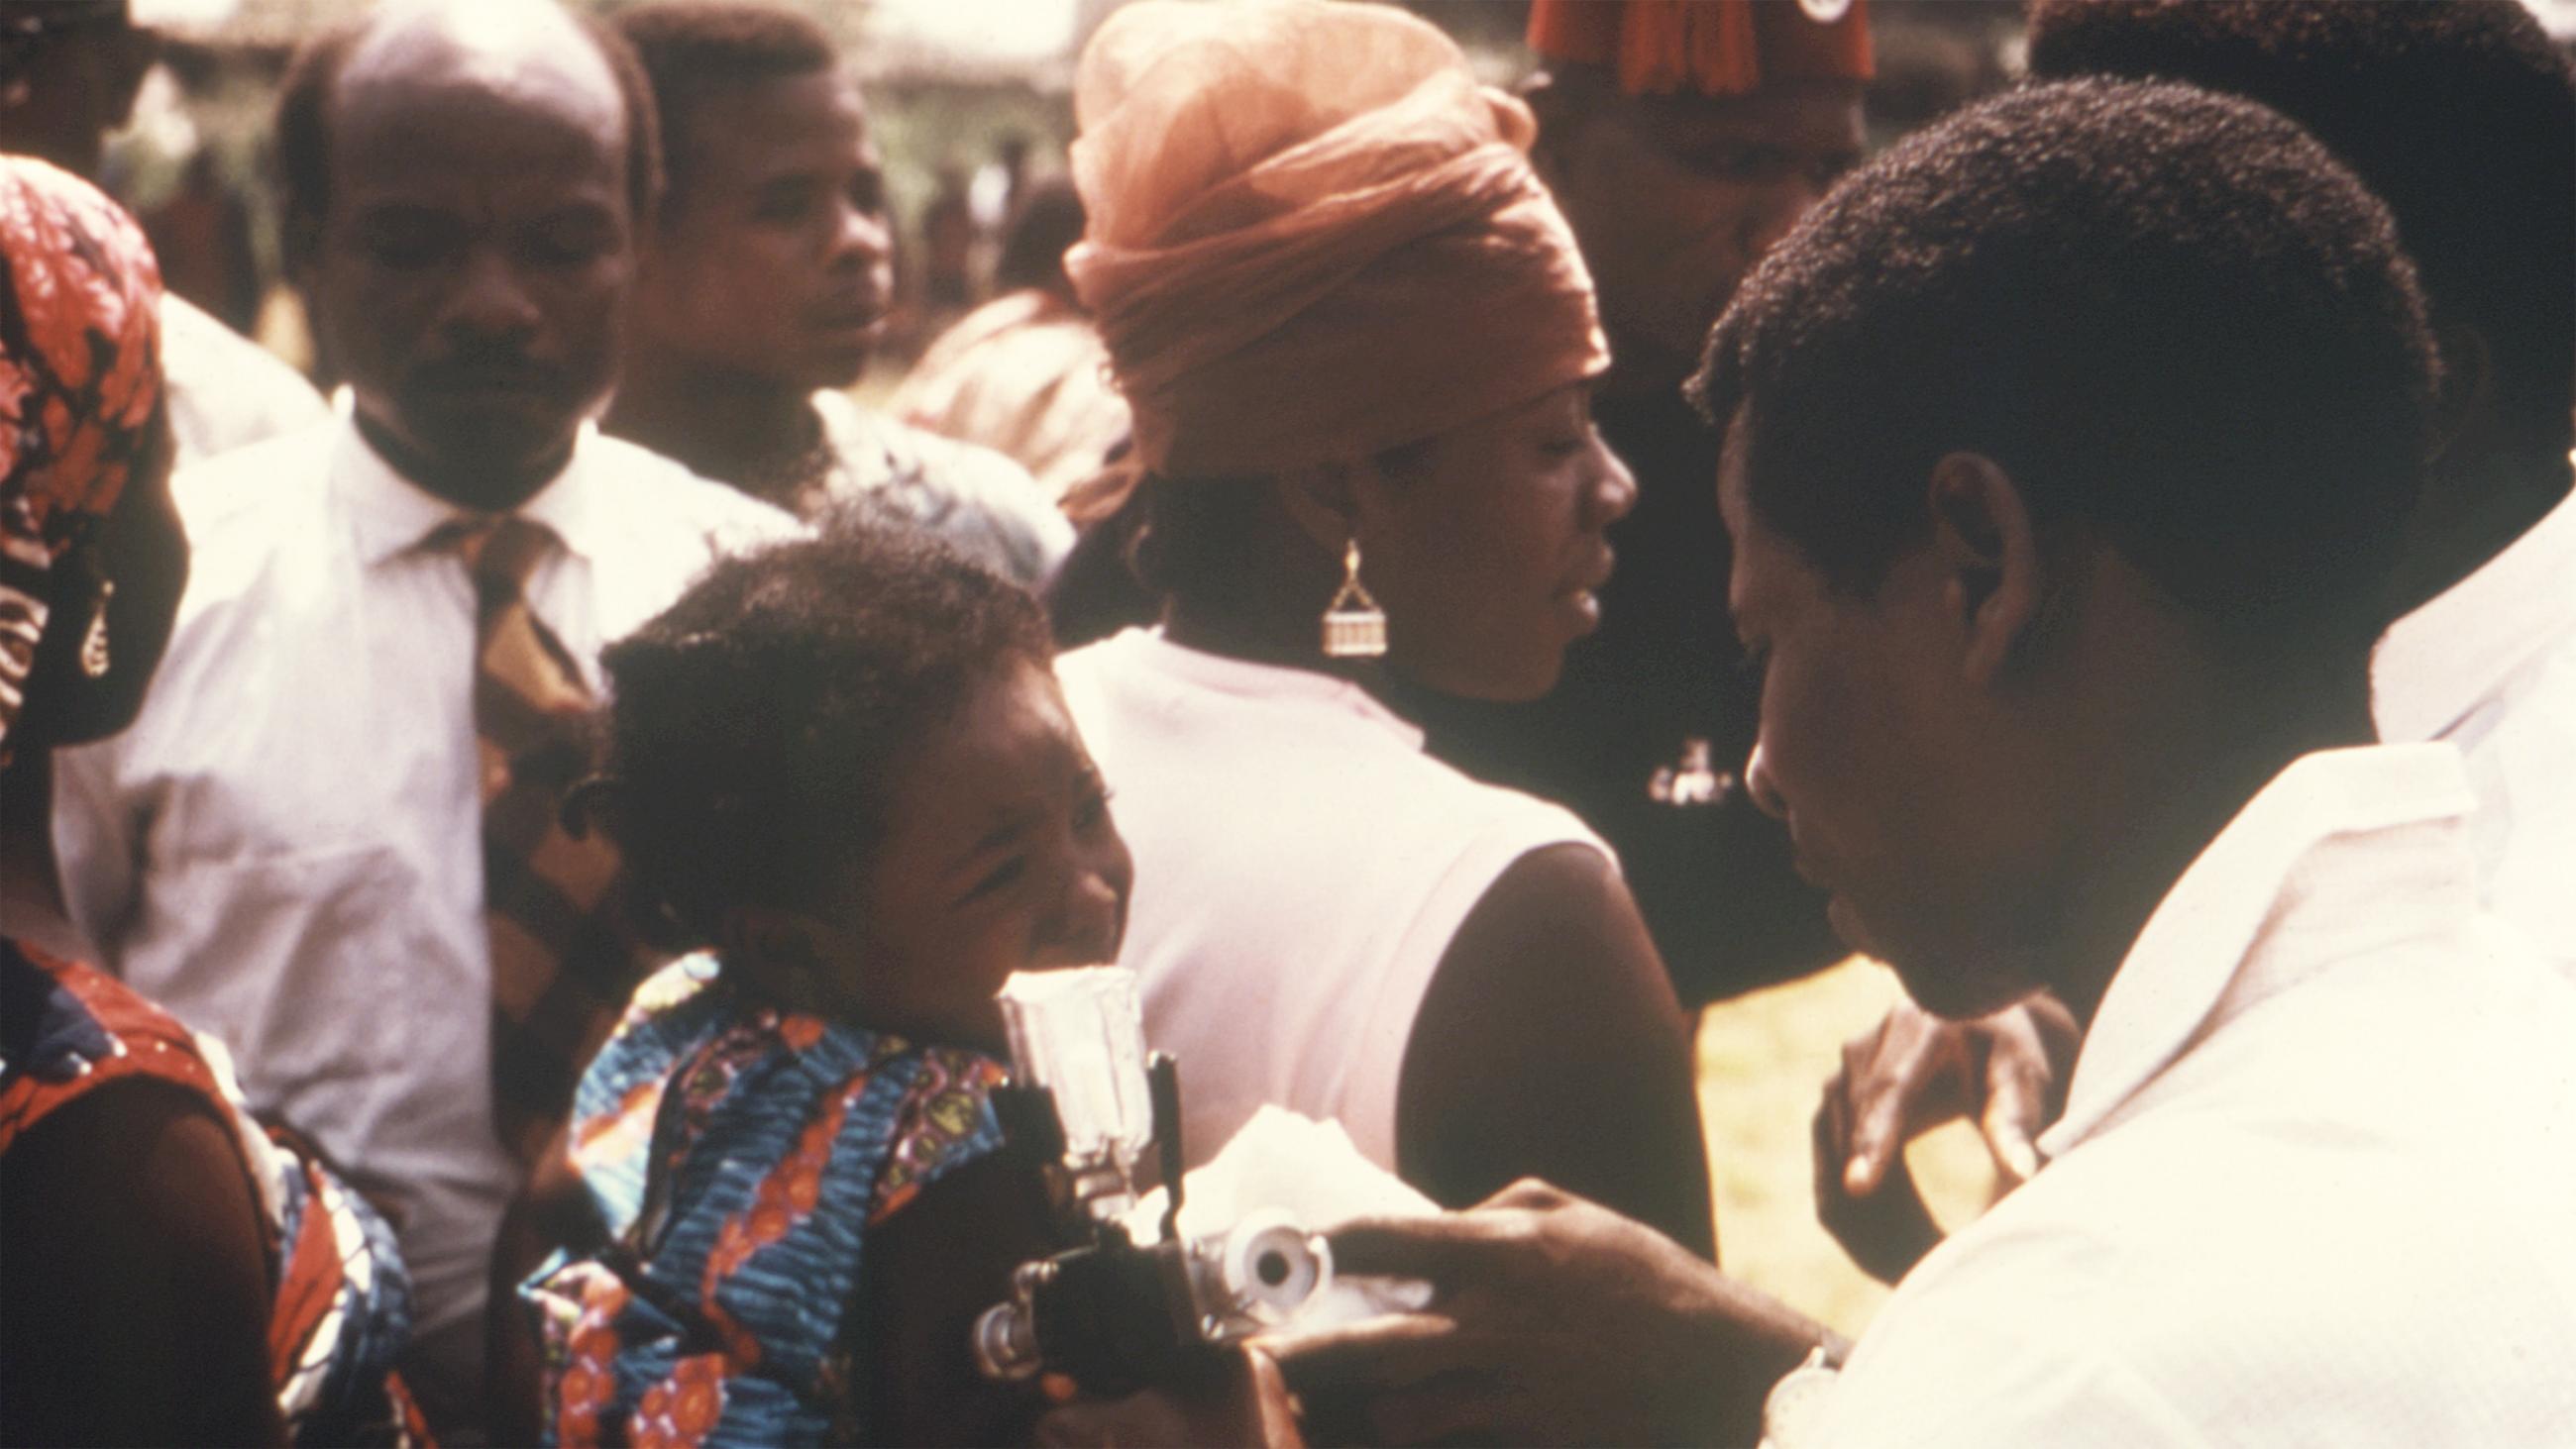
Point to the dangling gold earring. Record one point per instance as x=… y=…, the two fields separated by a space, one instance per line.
x=93 y=650
x=1354 y=626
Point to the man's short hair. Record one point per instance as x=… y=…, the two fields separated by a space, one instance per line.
x=2168 y=313
x=303 y=103
x=2460 y=115
x=691 y=49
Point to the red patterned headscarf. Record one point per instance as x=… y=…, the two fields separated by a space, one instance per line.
x=80 y=381
x=1712 y=47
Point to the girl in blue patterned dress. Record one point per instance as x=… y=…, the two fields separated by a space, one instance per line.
x=840 y=770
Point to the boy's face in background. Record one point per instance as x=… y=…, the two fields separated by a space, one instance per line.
x=774 y=256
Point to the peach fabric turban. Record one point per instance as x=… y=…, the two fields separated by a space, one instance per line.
x=1713 y=47
x=80 y=381
x=1313 y=235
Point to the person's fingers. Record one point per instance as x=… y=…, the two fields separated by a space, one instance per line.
x=2028 y=1050
x=2060 y=1037
x=1887 y=1232
x=1829 y=1151
x=1436 y=1248
x=2017 y=1094
x=1375 y=1354
x=1886 y=1077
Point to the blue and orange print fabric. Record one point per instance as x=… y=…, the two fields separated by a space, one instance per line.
x=739 y=1158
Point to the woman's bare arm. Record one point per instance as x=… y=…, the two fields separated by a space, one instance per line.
x=1550 y=1045
x=138 y=1295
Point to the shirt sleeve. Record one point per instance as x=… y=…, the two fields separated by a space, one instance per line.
x=2027 y=1398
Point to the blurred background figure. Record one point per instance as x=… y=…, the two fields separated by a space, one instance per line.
x=765 y=283
x=1025 y=372
x=203 y=232
x=69 y=70
x=948 y=243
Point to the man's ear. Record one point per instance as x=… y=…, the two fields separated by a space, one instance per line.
x=1989 y=550
x=2468 y=383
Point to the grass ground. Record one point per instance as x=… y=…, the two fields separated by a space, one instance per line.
x=1763 y=1059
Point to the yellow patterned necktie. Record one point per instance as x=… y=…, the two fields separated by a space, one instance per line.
x=563 y=956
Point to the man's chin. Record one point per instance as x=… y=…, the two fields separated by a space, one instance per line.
x=836 y=361
x=1944 y=980
x=1958 y=991
x=487 y=460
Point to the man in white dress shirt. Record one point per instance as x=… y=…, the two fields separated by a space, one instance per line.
x=288 y=847
x=2065 y=670
x=2461 y=117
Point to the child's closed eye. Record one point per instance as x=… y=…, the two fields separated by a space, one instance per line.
x=993 y=882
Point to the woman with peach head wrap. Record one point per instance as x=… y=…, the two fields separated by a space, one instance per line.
x=1358 y=341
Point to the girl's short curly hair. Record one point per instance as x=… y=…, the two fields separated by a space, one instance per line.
x=756 y=728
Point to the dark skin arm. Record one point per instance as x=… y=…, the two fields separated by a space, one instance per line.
x=931 y=1269
x=552 y=1211
x=1550 y=1045
x=138 y=1295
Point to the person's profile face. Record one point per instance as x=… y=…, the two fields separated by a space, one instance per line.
x=472 y=266
x=775 y=256
x=1674 y=198
x=998 y=855
x=1881 y=762
x=1487 y=560
x=141 y=548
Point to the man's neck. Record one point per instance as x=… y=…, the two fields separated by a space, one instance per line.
x=479 y=485
x=2477 y=504
x=2169 y=819
x=2149 y=856
x=724 y=424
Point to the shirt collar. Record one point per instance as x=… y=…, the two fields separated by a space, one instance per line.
x=2342 y=848
x=392 y=514
x=2435 y=666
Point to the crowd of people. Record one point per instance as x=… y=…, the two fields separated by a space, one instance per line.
x=507 y=868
